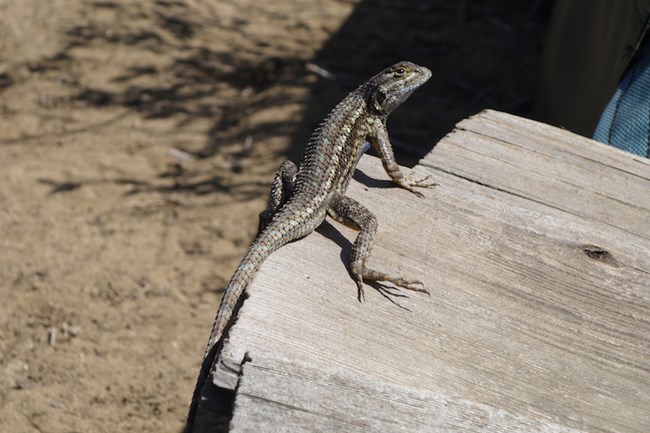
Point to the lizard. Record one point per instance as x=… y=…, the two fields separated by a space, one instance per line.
x=301 y=197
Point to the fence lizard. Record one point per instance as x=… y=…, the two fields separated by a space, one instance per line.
x=302 y=196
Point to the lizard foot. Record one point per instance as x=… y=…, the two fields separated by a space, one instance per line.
x=409 y=183
x=400 y=282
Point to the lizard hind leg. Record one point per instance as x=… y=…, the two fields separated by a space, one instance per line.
x=281 y=192
x=353 y=214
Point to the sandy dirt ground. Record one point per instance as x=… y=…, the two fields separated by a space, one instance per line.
x=138 y=140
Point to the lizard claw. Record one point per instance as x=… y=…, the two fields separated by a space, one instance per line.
x=399 y=282
x=409 y=183
x=413 y=286
x=423 y=182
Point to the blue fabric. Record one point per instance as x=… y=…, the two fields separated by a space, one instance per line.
x=625 y=122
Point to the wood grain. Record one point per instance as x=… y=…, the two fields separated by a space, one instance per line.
x=535 y=247
x=298 y=397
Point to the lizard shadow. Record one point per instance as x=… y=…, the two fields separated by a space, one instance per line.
x=371 y=182
x=390 y=292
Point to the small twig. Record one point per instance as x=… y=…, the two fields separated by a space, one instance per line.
x=312 y=67
x=180 y=154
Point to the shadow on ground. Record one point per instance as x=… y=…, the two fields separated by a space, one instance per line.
x=484 y=54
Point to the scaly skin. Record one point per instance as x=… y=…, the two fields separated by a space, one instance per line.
x=301 y=198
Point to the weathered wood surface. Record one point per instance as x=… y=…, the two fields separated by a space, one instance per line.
x=536 y=249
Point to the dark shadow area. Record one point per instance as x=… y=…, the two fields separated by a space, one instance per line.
x=223 y=87
x=241 y=191
x=6 y=81
x=61 y=186
x=363 y=178
x=483 y=54
x=192 y=82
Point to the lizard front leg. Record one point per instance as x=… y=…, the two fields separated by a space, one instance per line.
x=353 y=214
x=281 y=192
x=381 y=143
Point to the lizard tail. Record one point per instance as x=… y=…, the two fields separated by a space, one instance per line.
x=244 y=274
x=290 y=223
x=230 y=302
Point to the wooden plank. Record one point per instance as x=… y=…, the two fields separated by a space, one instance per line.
x=549 y=165
x=293 y=397
x=539 y=308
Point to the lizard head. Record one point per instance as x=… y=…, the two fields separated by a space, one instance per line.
x=392 y=86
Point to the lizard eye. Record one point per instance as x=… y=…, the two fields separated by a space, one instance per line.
x=399 y=72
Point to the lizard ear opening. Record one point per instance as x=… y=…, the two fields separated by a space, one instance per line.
x=378 y=100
